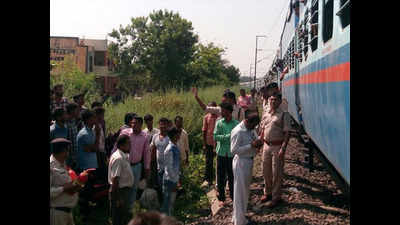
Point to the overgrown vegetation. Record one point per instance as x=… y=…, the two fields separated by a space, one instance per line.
x=193 y=202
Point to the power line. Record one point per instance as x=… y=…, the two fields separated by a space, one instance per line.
x=276 y=20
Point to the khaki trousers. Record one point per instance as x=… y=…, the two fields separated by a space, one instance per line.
x=58 y=217
x=272 y=171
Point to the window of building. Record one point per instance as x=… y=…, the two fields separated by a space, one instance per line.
x=314 y=25
x=327 y=20
x=344 y=13
x=90 y=64
x=99 y=58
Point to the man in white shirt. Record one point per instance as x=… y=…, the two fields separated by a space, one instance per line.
x=120 y=178
x=244 y=146
x=183 y=142
x=63 y=192
x=157 y=147
x=150 y=130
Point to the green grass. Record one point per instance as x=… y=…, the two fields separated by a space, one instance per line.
x=193 y=203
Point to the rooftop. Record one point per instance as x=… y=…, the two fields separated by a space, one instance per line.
x=99 y=45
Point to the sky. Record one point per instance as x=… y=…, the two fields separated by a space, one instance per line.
x=231 y=24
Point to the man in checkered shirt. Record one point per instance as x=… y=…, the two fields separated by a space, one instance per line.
x=59 y=100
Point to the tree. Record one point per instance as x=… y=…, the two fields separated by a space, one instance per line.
x=162 y=43
x=232 y=73
x=208 y=67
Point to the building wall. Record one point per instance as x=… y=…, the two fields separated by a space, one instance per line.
x=64 y=42
x=81 y=58
x=84 y=53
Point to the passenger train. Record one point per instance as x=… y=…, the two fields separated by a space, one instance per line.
x=312 y=67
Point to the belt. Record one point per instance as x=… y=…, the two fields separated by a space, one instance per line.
x=64 y=209
x=134 y=164
x=241 y=157
x=271 y=143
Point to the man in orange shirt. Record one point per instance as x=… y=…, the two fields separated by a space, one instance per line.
x=209 y=143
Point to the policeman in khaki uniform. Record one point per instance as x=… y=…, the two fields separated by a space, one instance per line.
x=268 y=91
x=274 y=132
x=63 y=193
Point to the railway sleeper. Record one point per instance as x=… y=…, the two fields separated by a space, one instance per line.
x=309 y=148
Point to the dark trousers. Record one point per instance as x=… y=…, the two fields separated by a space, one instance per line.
x=153 y=181
x=224 y=168
x=209 y=172
x=120 y=213
x=101 y=159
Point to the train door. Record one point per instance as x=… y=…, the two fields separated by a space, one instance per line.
x=296 y=65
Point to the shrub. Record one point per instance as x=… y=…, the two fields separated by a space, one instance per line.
x=74 y=80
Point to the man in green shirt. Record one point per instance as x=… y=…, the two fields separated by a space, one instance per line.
x=222 y=135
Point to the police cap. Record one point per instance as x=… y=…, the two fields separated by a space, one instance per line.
x=60 y=145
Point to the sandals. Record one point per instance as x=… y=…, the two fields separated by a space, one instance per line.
x=273 y=203
x=266 y=198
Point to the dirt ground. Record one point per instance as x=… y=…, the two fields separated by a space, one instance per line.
x=308 y=197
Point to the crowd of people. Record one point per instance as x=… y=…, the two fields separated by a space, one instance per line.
x=233 y=132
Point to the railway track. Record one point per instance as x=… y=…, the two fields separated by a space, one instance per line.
x=311 y=195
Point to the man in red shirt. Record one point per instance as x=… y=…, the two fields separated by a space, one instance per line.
x=209 y=143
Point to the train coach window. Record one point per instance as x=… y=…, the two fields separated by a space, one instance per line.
x=327 y=20
x=291 y=56
x=344 y=12
x=314 y=25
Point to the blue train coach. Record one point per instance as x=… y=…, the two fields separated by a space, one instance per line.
x=314 y=58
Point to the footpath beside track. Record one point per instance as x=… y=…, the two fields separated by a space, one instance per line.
x=307 y=197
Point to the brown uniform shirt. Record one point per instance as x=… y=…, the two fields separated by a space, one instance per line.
x=275 y=124
x=58 y=177
x=283 y=106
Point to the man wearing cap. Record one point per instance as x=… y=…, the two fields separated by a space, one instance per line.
x=63 y=193
x=275 y=134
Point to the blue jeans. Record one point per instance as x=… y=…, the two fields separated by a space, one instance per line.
x=137 y=173
x=168 y=196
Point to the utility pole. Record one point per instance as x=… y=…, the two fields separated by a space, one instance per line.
x=251 y=66
x=255 y=59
